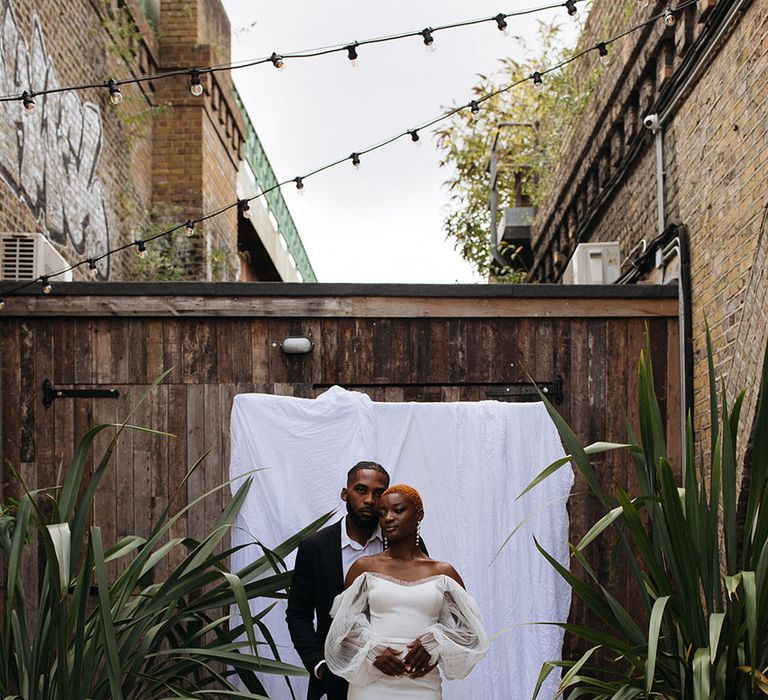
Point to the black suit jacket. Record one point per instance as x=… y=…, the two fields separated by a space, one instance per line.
x=318 y=577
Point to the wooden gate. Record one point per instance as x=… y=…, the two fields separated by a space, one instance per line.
x=396 y=343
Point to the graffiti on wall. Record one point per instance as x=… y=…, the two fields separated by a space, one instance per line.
x=49 y=156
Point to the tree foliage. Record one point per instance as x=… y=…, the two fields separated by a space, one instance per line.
x=526 y=154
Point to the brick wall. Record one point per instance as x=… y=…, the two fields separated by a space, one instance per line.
x=716 y=171
x=91 y=175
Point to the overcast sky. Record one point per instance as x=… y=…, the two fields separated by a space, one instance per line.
x=383 y=222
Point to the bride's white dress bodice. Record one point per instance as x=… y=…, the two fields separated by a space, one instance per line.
x=403 y=609
x=378 y=611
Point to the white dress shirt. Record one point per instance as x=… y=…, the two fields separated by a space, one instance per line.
x=351 y=550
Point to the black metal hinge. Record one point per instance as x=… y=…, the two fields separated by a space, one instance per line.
x=51 y=392
x=526 y=391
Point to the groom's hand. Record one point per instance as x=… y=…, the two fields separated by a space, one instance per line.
x=417 y=661
x=388 y=663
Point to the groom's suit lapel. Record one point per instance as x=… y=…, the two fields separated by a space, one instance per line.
x=333 y=557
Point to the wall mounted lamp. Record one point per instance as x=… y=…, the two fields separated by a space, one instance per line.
x=297 y=345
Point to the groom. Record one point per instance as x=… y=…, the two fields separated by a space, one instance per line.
x=322 y=562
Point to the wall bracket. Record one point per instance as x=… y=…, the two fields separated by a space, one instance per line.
x=51 y=392
x=526 y=391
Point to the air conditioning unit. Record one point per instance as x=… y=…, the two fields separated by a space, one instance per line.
x=593 y=263
x=27 y=256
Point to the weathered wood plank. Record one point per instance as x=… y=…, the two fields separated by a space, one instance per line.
x=348 y=307
x=196 y=418
x=29 y=393
x=176 y=468
x=64 y=353
x=124 y=461
x=82 y=342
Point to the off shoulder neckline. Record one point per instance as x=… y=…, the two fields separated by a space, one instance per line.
x=402 y=582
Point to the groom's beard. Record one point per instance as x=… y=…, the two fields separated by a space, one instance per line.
x=365 y=523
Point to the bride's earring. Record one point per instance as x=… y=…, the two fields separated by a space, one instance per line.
x=418 y=534
x=386 y=544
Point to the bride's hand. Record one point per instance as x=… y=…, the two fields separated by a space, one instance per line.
x=388 y=663
x=418 y=660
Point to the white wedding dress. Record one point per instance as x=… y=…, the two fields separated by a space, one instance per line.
x=378 y=611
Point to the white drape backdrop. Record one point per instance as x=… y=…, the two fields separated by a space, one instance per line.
x=469 y=460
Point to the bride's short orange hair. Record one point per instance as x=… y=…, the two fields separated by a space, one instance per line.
x=409 y=492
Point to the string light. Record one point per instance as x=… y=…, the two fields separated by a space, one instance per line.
x=277 y=61
x=355 y=157
x=414 y=135
x=142 y=249
x=669 y=17
x=573 y=11
x=602 y=49
x=195 y=85
x=92 y=269
x=474 y=108
x=537 y=81
x=501 y=23
x=2 y=303
x=115 y=96
x=28 y=100
x=352 y=54
x=245 y=209
x=429 y=40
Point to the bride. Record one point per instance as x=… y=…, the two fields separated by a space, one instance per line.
x=403 y=615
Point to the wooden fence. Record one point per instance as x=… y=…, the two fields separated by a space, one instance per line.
x=396 y=343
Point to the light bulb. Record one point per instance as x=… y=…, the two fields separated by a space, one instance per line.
x=355 y=160
x=537 y=81
x=474 y=109
x=501 y=23
x=602 y=49
x=669 y=17
x=195 y=86
x=245 y=209
x=415 y=136
x=352 y=55
x=47 y=289
x=142 y=249
x=189 y=228
x=2 y=303
x=429 y=40
x=299 y=185
x=28 y=101
x=115 y=96
x=92 y=269
x=277 y=61
x=573 y=11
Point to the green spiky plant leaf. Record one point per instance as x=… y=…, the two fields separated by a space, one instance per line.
x=84 y=635
x=700 y=563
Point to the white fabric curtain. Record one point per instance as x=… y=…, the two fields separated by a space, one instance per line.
x=469 y=461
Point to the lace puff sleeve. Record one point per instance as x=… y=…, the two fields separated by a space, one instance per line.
x=351 y=647
x=457 y=641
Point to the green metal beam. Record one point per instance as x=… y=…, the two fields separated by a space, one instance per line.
x=265 y=177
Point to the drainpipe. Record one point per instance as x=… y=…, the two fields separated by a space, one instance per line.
x=653 y=123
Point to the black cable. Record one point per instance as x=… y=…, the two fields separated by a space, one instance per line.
x=300 y=179
x=308 y=53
